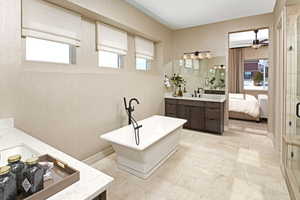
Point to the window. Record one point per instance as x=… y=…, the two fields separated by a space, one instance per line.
x=144 y=53
x=190 y=64
x=48 y=51
x=110 y=59
x=256 y=73
x=111 y=45
x=143 y=64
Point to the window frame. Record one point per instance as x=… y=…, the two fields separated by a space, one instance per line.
x=72 y=53
x=149 y=63
x=195 y=64
x=120 y=60
x=264 y=88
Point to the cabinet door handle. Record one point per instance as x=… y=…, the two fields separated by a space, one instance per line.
x=297 y=110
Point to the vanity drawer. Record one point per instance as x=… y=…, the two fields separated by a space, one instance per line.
x=170 y=109
x=213 y=105
x=191 y=103
x=171 y=101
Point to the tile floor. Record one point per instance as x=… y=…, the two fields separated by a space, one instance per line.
x=236 y=166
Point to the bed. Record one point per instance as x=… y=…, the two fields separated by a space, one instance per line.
x=243 y=106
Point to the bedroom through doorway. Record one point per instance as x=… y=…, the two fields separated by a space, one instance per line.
x=248 y=80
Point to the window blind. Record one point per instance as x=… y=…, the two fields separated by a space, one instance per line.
x=144 y=48
x=111 y=39
x=44 y=20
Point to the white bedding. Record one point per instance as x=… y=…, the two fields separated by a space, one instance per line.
x=247 y=104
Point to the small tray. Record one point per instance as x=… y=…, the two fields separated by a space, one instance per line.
x=63 y=177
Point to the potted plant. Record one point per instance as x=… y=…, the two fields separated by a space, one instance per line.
x=177 y=81
x=257 y=78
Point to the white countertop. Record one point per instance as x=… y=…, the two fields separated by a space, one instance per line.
x=204 y=97
x=92 y=182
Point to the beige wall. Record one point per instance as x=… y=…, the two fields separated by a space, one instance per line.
x=278 y=8
x=253 y=54
x=277 y=79
x=9 y=56
x=69 y=106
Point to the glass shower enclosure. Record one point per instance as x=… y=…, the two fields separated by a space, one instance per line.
x=291 y=135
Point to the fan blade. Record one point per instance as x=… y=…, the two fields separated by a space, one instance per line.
x=265 y=41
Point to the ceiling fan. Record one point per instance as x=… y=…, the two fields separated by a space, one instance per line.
x=259 y=43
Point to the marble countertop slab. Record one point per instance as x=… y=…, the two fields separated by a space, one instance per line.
x=204 y=97
x=92 y=182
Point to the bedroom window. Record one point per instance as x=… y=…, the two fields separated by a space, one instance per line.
x=190 y=64
x=256 y=74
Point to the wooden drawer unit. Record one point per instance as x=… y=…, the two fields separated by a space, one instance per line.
x=171 y=101
x=191 y=103
x=213 y=105
x=200 y=115
x=170 y=107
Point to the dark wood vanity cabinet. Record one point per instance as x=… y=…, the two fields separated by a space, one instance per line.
x=200 y=115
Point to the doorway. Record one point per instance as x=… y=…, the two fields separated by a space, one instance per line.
x=248 y=79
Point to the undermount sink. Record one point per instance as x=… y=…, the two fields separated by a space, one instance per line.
x=23 y=150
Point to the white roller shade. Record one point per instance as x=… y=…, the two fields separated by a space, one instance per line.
x=144 y=48
x=44 y=20
x=111 y=39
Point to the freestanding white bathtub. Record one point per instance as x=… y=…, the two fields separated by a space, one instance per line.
x=159 y=138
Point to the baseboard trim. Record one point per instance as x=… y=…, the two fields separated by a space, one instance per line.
x=99 y=156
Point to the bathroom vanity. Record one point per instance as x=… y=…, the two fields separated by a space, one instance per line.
x=202 y=114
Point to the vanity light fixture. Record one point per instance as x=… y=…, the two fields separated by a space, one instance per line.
x=219 y=66
x=197 y=55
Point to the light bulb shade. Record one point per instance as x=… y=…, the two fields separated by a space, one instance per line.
x=193 y=56
x=185 y=56
x=208 y=55
x=201 y=56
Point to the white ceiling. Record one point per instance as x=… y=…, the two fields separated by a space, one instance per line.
x=178 y=14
